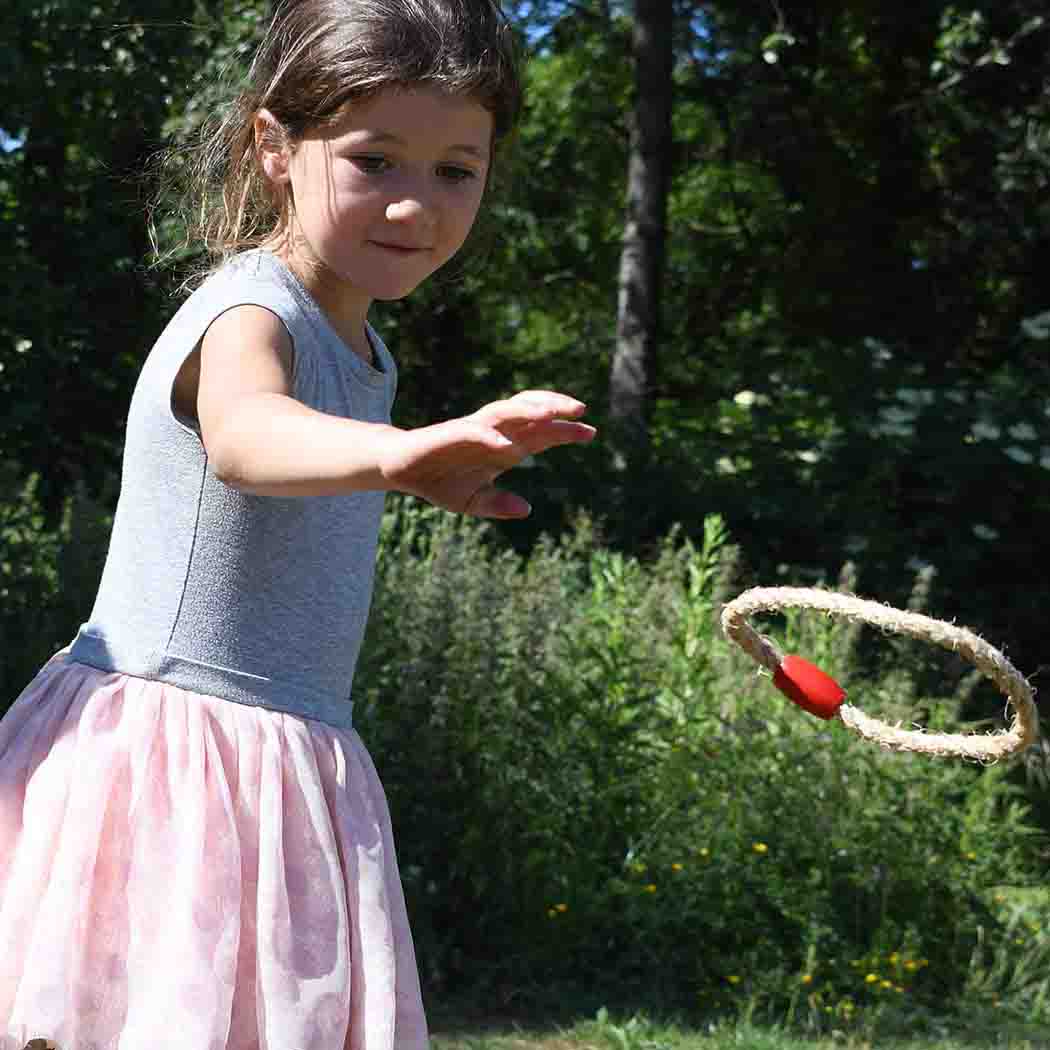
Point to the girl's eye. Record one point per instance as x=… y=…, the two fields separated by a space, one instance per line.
x=370 y=164
x=454 y=173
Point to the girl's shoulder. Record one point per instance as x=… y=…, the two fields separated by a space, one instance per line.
x=251 y=278
x=261 y=278
x=255 y=266
x=258 y=277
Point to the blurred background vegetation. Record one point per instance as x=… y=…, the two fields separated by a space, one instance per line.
x=837 y=328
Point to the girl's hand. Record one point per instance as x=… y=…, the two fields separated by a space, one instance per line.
x=454 y=464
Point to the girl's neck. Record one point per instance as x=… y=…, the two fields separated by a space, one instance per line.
x=346 y=313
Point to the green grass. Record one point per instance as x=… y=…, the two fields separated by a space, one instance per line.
x=984 y=1032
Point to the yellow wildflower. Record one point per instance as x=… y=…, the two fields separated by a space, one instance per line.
x=807 y=978
x=871 y=978
x=760 y=847
x=651 y=888
x=705 y=852
x=733 y=979
x=911 y=965
x=638 y=868
x=561 y=907
x=885 y=984
x=676 y=867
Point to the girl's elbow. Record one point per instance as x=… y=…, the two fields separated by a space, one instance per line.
x=228 y=473
x=224 y=462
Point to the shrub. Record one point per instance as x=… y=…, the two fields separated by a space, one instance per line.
x=48 y=577
x=595 y=796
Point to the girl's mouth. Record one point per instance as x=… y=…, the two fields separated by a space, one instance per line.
x=402 y=249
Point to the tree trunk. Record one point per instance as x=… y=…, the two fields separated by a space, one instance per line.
x=642 y=257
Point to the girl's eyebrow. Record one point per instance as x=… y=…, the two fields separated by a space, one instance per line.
x=377 y=138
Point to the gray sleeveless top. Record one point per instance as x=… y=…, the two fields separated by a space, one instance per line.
x=257 y=599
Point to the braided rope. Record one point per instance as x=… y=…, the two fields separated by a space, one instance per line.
x=988 y=660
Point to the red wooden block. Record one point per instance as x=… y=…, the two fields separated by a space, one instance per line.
x=809 y=687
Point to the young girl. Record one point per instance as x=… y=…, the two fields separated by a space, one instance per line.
x=195 y=850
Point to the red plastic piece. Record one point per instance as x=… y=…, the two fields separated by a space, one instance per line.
x=809 y=687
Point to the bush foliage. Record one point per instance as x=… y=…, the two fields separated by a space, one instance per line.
x=593 y=792
x=48 y=576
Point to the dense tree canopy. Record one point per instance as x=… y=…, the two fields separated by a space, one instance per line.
x=854 y=356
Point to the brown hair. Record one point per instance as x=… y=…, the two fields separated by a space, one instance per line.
x=316 y=57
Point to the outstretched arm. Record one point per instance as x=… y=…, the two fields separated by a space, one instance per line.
x=260 y=439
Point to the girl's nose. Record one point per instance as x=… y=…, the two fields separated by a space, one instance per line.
x=408 y=210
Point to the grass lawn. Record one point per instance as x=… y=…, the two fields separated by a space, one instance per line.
x=637 y=1034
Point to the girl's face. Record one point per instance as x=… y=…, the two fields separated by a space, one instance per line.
x=388 y=194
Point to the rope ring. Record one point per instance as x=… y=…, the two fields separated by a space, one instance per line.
x=821 y=695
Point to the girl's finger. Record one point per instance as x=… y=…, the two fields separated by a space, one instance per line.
x=491 y=502
x=530 y=407
x=542 y=436
x=561 y=404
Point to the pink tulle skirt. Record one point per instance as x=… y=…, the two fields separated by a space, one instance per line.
x=180 y=871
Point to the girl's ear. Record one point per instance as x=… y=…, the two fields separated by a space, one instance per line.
x=271 y=146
